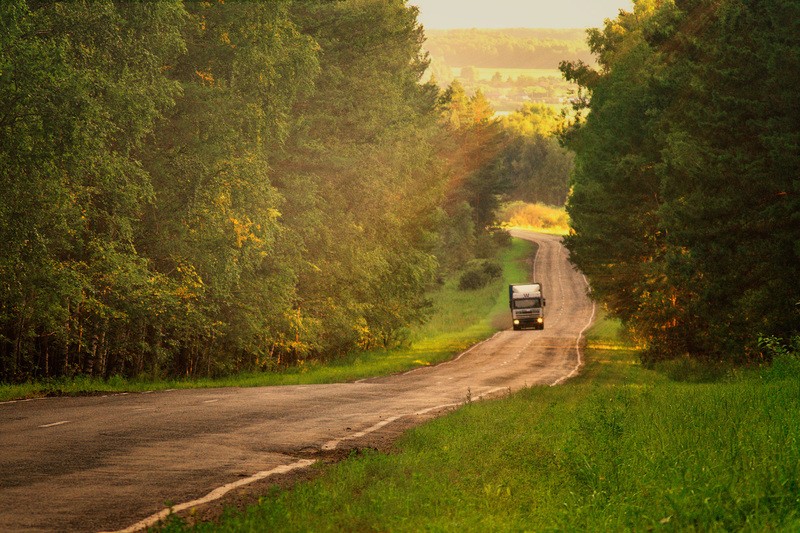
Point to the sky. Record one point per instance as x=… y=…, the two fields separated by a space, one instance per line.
x=448 y=14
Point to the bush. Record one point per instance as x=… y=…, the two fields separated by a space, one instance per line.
x=489 y=243
x=479 y=273
x=538 y=216
x=784 y=357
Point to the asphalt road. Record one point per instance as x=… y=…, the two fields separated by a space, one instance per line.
x=108 y=463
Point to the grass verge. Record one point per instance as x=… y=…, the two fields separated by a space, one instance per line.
x=618 y=448
x=460 y=319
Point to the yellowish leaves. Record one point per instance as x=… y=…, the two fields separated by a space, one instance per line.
x=225 y=38
x=206 y=77
x=365 y=337
x=191 y=282
x=243 y=230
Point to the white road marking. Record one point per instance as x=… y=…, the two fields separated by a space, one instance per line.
x=23 y=400
x=54 y=424
x=578 y=343
x=333 y=444
x=211 y=401
x=216 y=494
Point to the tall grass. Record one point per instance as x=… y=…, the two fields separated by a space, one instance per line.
x=460 y=319
x=538 y=217
x=620 y=448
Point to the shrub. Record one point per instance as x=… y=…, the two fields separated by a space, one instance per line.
x=785 y=357
x=489 y=243
x=479 y=273
x=540 y=216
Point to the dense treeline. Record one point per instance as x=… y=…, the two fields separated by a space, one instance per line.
x=685 y=206
x=508 y=48
x=534 y=165
x=195 y=188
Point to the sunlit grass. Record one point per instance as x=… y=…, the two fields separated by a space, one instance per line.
x=460 y=319
x=537 y=217
x=620 y=448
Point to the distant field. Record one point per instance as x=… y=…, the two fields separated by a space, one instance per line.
x=513 y=73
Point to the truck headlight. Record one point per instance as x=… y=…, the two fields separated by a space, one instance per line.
x=540 y=320
x=516 y=322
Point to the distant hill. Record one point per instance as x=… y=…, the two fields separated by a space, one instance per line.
x=537 y=48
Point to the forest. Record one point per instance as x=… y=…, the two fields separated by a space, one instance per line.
x=202 y=188
x=685 y=204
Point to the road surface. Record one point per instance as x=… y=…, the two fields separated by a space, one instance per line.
x=114 y=462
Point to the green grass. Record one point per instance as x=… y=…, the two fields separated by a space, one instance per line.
x=619 y=448
x=461 y=318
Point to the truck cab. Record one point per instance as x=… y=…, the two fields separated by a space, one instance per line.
x=527 y=305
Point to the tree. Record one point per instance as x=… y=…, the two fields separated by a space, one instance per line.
x=215 y=226
x=730 y=173
x=473 y=141
x=684 y=194
x=199 y=188
x=535 y=168
x=81 y=86
x=616 y=197
x=366 y=149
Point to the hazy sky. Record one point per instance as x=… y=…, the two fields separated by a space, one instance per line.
x=444 y=14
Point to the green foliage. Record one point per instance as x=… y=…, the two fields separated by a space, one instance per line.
x=684 y=197
x=526 y=162
x=479 y=273
x=533 y=119
x=472 y=142
x=784 y=357
x=81 y=86
x=199 y=188
x=517 y=158
x=458 y=320
x=533 y=166
x=773 y=347
x=364 y=158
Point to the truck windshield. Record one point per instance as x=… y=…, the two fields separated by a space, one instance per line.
x=527 y=303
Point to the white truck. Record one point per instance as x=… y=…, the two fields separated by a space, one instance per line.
x=527 y=305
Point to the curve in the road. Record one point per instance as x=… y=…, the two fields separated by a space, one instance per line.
x=120 y=457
